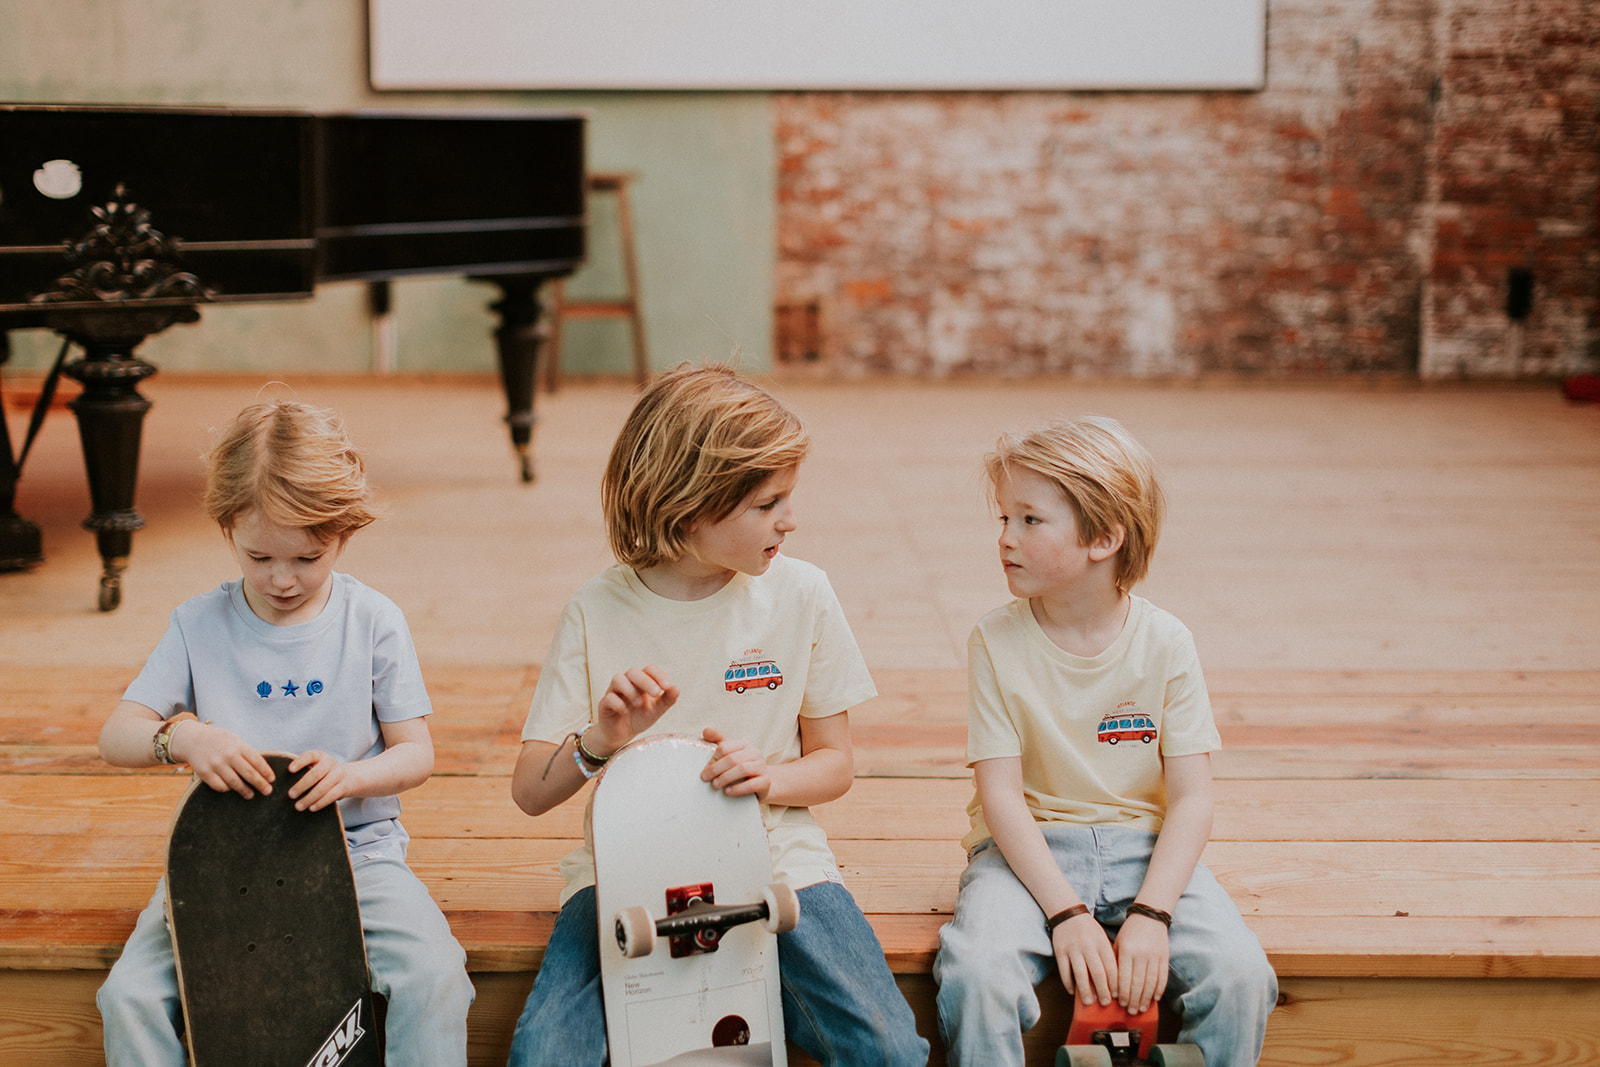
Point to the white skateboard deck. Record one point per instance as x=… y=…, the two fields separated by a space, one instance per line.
x=657 y=827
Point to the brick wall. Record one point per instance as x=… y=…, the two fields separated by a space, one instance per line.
x=1361 y=214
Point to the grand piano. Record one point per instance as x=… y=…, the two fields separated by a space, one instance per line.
x=116 y=223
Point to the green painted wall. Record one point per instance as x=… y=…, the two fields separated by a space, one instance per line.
x=703 y=201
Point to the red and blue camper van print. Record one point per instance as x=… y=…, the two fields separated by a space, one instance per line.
x=752 y=674
x=1127 y=723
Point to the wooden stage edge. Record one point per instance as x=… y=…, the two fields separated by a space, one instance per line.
x=1419 y=852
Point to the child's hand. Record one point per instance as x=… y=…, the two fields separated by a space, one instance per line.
x=1087 y=962
x=632 y=703
x=1142 y=955
x=326 y=780
x=221 y=759
x=737 y=767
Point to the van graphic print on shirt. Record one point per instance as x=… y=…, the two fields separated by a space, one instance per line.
x=751 y=671
x=1127 y=723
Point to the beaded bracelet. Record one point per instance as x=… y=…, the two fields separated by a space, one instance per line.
x=1062 y=916
x=1162 y=917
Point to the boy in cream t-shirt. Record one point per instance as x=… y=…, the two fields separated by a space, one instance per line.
x=1089 y=735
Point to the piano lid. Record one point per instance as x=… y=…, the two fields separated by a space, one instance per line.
x=449 y=192
x=232 y=187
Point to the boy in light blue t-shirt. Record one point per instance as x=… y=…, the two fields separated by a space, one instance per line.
x=293 y=657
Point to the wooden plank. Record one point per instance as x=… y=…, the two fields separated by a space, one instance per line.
x=49 y=1020
x=930 y=809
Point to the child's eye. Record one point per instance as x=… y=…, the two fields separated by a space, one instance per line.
x=1032 y=520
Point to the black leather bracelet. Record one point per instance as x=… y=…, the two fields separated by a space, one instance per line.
x=1148 y=912
x=1060 y=917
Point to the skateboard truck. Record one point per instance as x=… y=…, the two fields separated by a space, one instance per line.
x=694 y=923
x=1110 y=1036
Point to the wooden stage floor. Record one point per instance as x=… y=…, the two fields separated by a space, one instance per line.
x=1394 y=590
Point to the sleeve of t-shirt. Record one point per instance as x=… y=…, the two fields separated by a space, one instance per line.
x=837 y=678
x=1187 y=724
x=398 y=690
x=990 y=732
x=562 y=701
x=165 y=680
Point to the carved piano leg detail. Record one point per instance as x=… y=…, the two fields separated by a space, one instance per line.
x=110 y=414
x=520 y=342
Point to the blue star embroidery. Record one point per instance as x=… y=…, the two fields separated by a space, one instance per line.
x=291 y=689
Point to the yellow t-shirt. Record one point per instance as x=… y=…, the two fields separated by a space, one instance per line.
x=1091 y=732
x=750 y=660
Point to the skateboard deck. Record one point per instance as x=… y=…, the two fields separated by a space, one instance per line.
x=688 y=913
x=261 y=902
x=1110 y=1036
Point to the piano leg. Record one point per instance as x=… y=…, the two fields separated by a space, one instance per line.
x=520 y=342
x=110 y=415
x=20 y=544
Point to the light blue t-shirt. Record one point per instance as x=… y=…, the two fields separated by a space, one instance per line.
x=323 y=684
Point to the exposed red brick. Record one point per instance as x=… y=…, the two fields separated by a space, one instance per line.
x=1360 y=214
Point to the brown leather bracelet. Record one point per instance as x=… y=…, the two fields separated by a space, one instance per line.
x=1062 y=916
x=1164 y=918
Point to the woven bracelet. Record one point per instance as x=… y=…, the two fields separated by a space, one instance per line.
x=1164 y=918
x=1062 y=916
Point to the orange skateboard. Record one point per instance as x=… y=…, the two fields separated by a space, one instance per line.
x=688 y=913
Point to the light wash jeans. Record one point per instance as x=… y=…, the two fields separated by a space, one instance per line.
x=996 y=950
x=840 y=1002
x=415 y=962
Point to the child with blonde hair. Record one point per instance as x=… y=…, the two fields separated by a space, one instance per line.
x=1089 y=736
x=293 y=656
x=698 y=498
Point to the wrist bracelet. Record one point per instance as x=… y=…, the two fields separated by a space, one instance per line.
x=583 y=768
x=162 y=742
x=1060 y=917
x=584 y=753
x=1162 y=917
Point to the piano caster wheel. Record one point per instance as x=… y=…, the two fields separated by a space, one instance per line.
x=526 y=459
x=110 y=592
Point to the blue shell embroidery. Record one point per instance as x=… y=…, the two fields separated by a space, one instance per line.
x=264 y=690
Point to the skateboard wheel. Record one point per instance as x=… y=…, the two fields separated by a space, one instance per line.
x=1083 y=1056
x=783 y=908
x=1177 y=1056
x=636 y=932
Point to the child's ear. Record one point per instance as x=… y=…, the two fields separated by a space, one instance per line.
x=1108 y=544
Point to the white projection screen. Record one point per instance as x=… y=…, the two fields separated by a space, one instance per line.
x=818 y=44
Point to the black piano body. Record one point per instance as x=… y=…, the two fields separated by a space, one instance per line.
x=117 y=222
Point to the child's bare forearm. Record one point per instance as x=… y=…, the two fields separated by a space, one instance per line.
x=1184 y=832
x=815 y=778
x=545 y=775
x=128 y=737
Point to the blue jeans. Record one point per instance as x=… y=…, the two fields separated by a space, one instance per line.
x=996 y=950
x=415 y=962
x=840 y=1002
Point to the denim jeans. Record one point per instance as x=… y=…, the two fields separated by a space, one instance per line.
x=996 y=950
x=415 y=962
x=840 y=1003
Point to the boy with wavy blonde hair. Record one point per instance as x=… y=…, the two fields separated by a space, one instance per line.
x=1089 y=736
x=296 y=657
x=698 y=499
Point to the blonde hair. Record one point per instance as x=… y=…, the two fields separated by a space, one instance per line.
x=698 y=441
x=294 y=464
x=1106 y=476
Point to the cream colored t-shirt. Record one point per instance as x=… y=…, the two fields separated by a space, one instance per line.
x=1091 y=732
x=750 y=660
